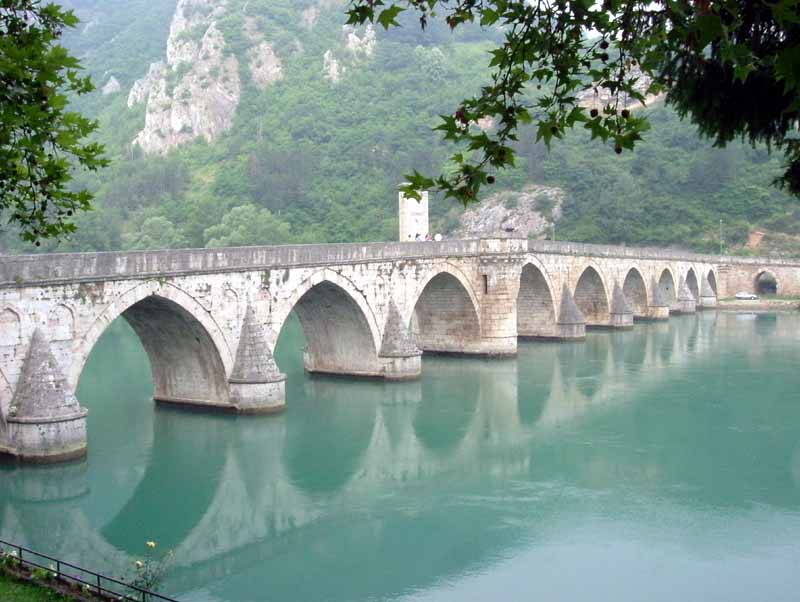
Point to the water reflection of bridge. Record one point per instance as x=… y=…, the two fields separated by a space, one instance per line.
x=262 y=500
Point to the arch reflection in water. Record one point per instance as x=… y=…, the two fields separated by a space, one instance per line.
x=537 y=367
x=449 y=400
x=183 y=472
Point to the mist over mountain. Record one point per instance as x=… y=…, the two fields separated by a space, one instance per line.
x=235 y=122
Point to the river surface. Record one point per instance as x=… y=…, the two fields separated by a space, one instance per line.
x=661 y=463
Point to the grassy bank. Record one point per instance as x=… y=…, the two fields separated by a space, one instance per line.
x=13 y=590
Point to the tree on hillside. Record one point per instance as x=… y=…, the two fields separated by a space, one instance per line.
x=731 y=66
x=40 y=141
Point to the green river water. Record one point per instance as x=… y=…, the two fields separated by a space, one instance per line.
x=661 y=463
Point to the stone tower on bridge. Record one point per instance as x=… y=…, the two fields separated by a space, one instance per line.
x=413 y=217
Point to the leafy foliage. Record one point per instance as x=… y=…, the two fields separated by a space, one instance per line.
x=40 y=141
x=732 y=65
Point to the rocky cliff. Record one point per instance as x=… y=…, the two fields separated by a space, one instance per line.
x=195 y=91
x=529 y=213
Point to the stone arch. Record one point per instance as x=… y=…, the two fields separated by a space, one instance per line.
x=712 y=282
x=666 y=283
x=692 y=284
x=765 y=283
x=635 y=289
x=10 y=327
x=340 y=328
x=446 y=315
x=591 y=297
x=536 y=310
x=61 y=323
x=189 y=355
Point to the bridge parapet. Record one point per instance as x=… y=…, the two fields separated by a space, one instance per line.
x=17 y=270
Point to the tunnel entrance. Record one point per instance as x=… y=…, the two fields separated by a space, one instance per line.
x=766 y=284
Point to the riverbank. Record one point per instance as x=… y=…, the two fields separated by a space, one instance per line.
x=16 y=590
x=20 y=584
x=776 y=304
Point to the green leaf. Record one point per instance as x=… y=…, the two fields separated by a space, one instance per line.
x=388 y=16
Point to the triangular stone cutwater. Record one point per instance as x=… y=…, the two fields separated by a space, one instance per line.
x=706 y=290
x=619 y=302
x=42 y=389
x=659 y=300
x=569 y=313
x=397 y=341
x=254 y=361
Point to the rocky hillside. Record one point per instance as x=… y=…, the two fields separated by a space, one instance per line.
x=529 y=213
x=235 y=122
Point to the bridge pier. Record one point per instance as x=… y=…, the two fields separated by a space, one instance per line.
x=399 y=357
x=687 y=304
x=45 y=422
x=708 y=299
x=659 y=305
x=621 y=310
x=256 y=384
x=571 y=322
x=498 y=304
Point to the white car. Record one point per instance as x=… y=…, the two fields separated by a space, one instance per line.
x=746 y=296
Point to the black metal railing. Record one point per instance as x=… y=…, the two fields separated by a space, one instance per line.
x=91 y=581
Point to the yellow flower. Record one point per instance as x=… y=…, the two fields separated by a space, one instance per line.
x=151 y=544
x=139 y=564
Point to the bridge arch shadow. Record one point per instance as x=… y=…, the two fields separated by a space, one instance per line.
x=635 y=291
x=445 y=317
x=666 y=282
x=189 y=356
x=712 y=282
x=591 y=297
x=341 y=333
x=691 y=283
x=536 y=313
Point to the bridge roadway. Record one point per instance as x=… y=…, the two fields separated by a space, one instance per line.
x=209 y=318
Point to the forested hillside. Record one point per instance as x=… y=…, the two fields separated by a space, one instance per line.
x=267 y=122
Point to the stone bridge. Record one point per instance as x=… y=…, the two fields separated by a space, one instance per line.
x=209 y=319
